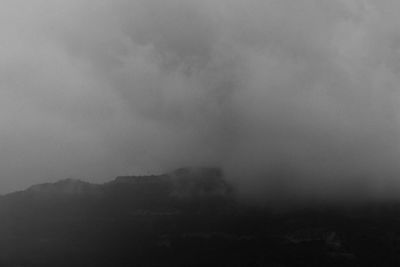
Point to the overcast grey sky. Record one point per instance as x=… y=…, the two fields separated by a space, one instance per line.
x=300 y=96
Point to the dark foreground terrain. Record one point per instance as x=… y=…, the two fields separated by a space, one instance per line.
x=189 y=217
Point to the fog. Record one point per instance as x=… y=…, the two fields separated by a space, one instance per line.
x=290 y=98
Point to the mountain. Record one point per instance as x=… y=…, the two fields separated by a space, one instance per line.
x=100 y=223
x=66 y=187
x=186 y=190
x=181 y=183
x=187 y=217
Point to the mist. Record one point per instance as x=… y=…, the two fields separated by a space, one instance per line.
x=291 y=98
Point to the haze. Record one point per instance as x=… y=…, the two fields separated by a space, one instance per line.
x=290 y=98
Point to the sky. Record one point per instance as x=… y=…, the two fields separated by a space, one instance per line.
x=291 y=98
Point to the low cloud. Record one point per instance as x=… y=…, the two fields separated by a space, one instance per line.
x=292 y=99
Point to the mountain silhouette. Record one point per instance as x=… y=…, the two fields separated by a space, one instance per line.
x=187 y=217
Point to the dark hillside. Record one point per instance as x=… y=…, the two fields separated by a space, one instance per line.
x=188 y=217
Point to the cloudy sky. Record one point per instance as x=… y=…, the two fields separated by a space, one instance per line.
x=287 y=96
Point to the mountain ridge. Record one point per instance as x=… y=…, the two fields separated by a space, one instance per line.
x=186 y=217
x=180 y=183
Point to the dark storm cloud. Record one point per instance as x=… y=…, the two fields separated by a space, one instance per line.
x=294 y=98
